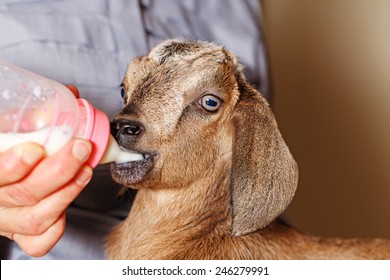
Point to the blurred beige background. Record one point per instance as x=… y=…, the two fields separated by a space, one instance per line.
x=330 y=67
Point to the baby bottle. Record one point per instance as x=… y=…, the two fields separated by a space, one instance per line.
x=36 y=109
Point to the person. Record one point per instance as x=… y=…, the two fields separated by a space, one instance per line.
x=56 y=207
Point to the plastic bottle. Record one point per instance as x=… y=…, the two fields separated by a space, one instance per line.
x=36 y=109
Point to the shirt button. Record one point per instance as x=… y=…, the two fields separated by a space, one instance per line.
x=146 y=4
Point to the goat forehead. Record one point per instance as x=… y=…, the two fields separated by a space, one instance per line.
x=174 y=80
x=156 y=88
x=171 y=77
x=154 y=98
x=172 y=50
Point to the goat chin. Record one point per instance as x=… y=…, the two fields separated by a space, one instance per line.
x=216 y=172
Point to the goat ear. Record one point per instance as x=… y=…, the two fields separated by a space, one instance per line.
x=264 y=173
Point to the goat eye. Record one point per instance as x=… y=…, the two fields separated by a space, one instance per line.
x=210 y=103
x=123 y=92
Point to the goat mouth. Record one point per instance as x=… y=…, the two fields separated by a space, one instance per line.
x=128 y=173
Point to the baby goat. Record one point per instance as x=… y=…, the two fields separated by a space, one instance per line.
x=216 y=171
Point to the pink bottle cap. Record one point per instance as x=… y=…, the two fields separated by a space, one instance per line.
x=94 y=126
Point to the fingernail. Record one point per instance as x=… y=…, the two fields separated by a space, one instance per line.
x=81 y=150
x=32 y=155
x=84 y=176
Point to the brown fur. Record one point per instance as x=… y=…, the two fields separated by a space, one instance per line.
x=215 y=182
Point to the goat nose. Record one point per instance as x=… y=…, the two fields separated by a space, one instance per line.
x=126 y=127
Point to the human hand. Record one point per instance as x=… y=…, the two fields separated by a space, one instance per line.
x=36 y=190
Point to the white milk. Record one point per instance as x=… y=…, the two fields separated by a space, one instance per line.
x=114 y=153
x=51 y=138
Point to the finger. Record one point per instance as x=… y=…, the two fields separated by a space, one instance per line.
x=7 y=234
x=18 y=161
x=39 y=245
x=36 y=219
x=74 y=90
x=48 y=176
